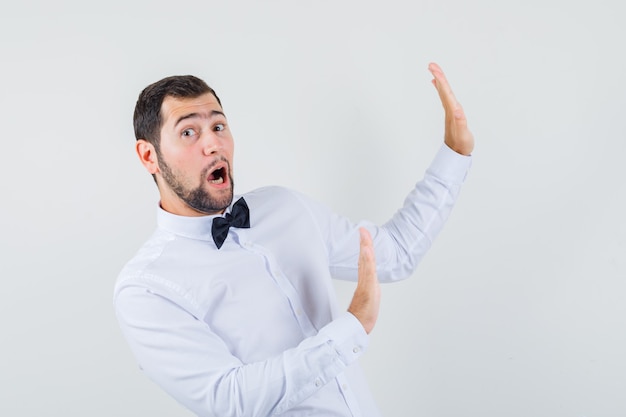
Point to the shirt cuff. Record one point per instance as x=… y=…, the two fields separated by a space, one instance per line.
x=450 y=166
x=348 y=337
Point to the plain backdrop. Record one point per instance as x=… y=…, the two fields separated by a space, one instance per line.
x=518 y=309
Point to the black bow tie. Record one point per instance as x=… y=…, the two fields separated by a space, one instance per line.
x=238 y=217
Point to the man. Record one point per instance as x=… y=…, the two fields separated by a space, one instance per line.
x=229 y=307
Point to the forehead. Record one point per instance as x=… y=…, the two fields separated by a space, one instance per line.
x=173 y=108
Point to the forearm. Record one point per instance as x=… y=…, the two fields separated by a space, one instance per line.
x=402 y=242
x=409 y=234
x=192 y=364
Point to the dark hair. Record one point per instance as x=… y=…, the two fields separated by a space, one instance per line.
x=147 y=118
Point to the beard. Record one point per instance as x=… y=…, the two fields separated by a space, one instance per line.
x=198 y=198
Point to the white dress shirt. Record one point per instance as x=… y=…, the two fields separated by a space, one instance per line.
x=254 y=329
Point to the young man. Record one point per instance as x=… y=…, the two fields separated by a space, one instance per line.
x=229 y=307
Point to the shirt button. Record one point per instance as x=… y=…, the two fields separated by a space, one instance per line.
x=318 y=382
x=356 y=349
x=298 y=312
x=344 y=387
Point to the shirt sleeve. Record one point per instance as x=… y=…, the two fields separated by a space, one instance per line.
x=401 y=243
x=190 y=362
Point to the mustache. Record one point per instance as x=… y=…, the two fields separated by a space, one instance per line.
x=205 y=172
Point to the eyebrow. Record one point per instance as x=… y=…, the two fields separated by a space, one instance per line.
x=199 y=115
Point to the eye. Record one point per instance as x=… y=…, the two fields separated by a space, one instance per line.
x=187 y=133
x=219 y=127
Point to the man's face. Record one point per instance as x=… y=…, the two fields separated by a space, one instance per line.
x=195 y=157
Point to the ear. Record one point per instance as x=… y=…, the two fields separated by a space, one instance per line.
x=147 y=155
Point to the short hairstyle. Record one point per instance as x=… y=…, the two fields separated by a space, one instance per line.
x=147 y=118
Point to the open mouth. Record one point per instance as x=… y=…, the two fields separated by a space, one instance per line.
x=218 y=176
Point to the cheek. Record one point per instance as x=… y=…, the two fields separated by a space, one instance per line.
x=183 y=163
x=185 y=155
x=229 y=149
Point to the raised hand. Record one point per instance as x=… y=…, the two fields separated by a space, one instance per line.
x=366 y=300
x=457 y=136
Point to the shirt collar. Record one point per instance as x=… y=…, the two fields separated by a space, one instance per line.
x=187 y=226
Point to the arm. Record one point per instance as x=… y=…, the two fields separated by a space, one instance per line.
x=428 y=206
x=191 y=363
x=402 y=242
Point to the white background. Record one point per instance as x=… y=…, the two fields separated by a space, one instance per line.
x=518 y=309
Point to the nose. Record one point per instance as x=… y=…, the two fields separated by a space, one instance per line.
x=211 y=144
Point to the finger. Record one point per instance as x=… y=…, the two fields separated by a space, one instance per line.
x=454 y=110
x=367 y=262
x=366 y=300
x=457 y=136
x=365 y=238
x=366 y=245
x=448 y=100
x=440 y=80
